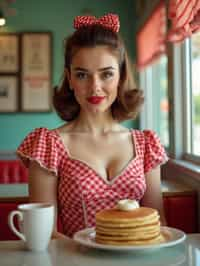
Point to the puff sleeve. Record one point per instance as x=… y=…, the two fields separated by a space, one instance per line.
x=154 y=153
x=42 y=146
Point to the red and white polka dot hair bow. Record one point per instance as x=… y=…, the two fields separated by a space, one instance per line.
x=109 y=21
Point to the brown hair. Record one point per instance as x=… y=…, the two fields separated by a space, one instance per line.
x=128 y=101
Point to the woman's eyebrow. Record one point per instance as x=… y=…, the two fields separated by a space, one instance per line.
x=106 y=68
x=80 y=69
x=100 y=69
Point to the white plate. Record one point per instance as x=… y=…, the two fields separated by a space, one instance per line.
x=86 y=237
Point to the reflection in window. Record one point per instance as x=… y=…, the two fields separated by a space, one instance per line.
x=195 y=75
x=160 y=100
x=155 y=114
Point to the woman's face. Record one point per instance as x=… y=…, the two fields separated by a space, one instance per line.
x=94 y=77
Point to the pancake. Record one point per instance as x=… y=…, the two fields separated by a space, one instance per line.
x=156 y=240
x=136 y=227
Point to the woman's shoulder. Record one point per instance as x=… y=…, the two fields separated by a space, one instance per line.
x=42 y=130
x=146 y=137
x=42 y=133
x=146 y=133
x=64 y=128
x=43 y=146
x=41 y=137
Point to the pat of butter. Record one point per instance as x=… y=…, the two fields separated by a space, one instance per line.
x=127 y=205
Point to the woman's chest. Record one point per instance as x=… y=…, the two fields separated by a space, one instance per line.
x=107 y=155
x=80 y=182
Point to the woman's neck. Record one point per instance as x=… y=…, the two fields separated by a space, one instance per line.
x=98 y=124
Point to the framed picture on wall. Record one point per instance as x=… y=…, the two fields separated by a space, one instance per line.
x=36 y=71
x=9 y=53
x=8 y=93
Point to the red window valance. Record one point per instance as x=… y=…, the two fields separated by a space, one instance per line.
x=151 y=38
x=185 y=19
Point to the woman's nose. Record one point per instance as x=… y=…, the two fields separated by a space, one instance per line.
x=95 y=84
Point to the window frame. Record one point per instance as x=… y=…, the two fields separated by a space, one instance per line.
x=186 y=52
x=180 y=101
x=147 y=84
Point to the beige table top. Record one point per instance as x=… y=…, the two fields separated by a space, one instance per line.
x=68 y=253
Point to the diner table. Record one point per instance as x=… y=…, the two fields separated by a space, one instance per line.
x=66 y=252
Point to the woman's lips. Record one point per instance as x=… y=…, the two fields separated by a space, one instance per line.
x=95 y=99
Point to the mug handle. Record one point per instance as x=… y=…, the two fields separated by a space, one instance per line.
x=12 y=226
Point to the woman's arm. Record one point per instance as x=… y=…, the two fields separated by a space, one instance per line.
x=43 y=188
x=153 y=194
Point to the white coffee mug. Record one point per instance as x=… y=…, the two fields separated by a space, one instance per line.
x=37 y=221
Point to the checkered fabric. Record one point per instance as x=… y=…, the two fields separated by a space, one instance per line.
x=81 y=190
x=109 y=21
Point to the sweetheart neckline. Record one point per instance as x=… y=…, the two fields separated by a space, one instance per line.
x=108 y=180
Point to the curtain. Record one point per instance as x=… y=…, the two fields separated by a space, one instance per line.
x=151 y=38
x=184 y=16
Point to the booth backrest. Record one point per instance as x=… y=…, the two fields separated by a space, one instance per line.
x=5 y=231
x=12 y=171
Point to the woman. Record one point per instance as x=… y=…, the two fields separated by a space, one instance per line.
x=93 y=161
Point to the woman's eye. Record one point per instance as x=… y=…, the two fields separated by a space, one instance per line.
x=81 y=75
x=107 y=75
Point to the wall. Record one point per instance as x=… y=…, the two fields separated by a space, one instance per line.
x=143 y=11
x=57 y=17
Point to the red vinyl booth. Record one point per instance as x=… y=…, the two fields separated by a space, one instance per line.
x=5 y=231
x=12 y=171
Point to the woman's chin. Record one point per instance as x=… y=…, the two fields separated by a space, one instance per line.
x=95 y=110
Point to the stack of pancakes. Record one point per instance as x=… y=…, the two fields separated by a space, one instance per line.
x=140 y=226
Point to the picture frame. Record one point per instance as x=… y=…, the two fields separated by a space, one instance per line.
x=36 y=71
x=9 y=53
x=9 y=93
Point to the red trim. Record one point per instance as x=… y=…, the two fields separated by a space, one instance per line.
x=184 y=13
x=151 y=38
x=151 y=60
x=179 y=31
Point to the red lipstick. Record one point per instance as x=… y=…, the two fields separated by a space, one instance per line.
x=95 y=99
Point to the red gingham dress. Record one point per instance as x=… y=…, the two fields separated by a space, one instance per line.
x=81 y=190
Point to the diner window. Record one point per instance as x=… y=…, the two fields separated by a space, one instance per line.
x=153 y=80
x=189 y=65
x=183 y=141
x=185 y=98
x=195 y=93
x=160 y=101
x=172 y=94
